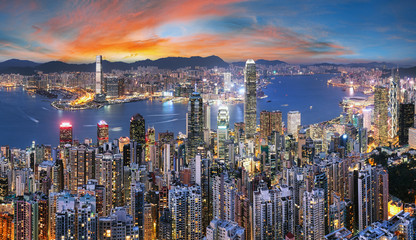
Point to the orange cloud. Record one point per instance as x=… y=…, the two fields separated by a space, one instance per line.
x=128 y=30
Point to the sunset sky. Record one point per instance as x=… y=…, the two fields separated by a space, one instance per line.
x=288 y=30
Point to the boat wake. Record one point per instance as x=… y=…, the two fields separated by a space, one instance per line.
x=33 y=119
x=167 y=121
x=162 y=115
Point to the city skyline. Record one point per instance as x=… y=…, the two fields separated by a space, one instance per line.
x=296 y=32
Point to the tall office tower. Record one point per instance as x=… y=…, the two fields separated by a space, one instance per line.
x=65 y=134
x=207 y=123
x=223 y=197
x=269 y=122
x=381 y=195
x=337 y=214
x=106 y=176
x=150 y=141
x=367 y=119
x=138 y=137
x=293 y=123
x=165 y=225
x=23 y=220
x=227 y=82
x=195 y=231
x=393 y=107
x=178 y=205
x=137 y=206
x=224 y=230
x=223 y=121
x=6 y=226
x=314 y=214
x=381 y=100
x=82 y=162
x=195 y=124
x=365 y=199
x=250 y=99
x=137 y=129
x=102 y=132
x=406 y=121
x=117 y=226
x=98 y=74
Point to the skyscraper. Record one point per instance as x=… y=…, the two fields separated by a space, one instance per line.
x=227 y=81
x=406 y=121
x=293 y=123
x=367 y=112
x=223 y=120
x=65 y=133
x=314 y=214
x=98 y=74
x=137 y=129
x=250 y=99
x=102 y=132
x=393 y=107
x=195 y=124
x=381 y=99
x=23 y=220
x=269 y=122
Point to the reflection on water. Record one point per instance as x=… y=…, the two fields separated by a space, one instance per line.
x=18 y=130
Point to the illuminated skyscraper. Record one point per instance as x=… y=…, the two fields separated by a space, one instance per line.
x=269 y=122
x=293 y=123
x=406 y=121
x=150 y=141
x=112 y=87
x=381 y=100
x=223 y=120
x=367 y=112
x=23 y=220
x=65 y=133
x=98 y=74
x=314 y=214
x=250 y=99
x=138 y=134
x=393 y=107
x=227 y=81
x=102 y=132
x=195 y=124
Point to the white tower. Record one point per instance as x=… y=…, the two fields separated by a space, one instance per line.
x=98 y=74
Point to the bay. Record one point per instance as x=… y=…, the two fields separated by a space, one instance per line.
x=25 y=118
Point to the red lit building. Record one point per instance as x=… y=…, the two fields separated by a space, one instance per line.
x=65 y=133
x=102 y=133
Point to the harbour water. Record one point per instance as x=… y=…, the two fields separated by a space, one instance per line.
x=25 y=118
